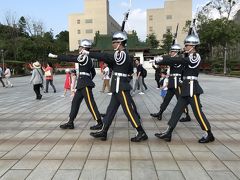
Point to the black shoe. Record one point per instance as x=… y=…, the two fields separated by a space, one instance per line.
x=55 y=91
x=67 y=125
x=207 y=139
x=141 y=136
x=186 y=119
x=98 y=126
x=154 y=114
x=100 y=134
x=39 y=97
x=45 y=91
x=166 y=135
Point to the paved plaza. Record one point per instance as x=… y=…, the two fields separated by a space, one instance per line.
x=32 y=146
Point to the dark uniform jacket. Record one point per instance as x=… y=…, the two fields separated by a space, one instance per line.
x=175 y=69
x=83 y=80
x=191 y=68
x=124 y=66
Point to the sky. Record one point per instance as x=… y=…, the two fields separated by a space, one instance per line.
x=54 y=13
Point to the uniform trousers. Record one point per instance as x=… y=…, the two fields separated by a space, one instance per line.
x=87 y=94
x=170 y=93
x=124 y=99
x=194 y=101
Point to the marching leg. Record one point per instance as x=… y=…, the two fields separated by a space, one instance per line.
x=108 y=118
x=125 y=100
x=91 y=104
x=77 y=99
x=202 y=120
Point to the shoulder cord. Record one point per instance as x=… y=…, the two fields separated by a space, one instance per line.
x=194 y=59
x=120 y=57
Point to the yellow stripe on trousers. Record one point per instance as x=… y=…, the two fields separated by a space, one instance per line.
x=179 y=91
x=126 y=104
x=90 y=103
x=199 y=113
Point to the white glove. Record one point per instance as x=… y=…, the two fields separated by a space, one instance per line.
x=50 y=55
x=158 y=59
x=151 y=61
x=84 y=52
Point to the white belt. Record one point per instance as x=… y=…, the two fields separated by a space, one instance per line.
x=175 y=74
x=84 y=73
x=120 y=74
x=191 y=78
x=118 y=79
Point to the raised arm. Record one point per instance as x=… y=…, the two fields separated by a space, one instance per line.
x=107 y=58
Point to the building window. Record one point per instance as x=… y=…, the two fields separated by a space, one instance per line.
x=150 y=18
x=79 y=31
x=169 y=28
x=78 y=21
x=88 y=20
x=169 y=16
x=150 y=29
x=89 y=31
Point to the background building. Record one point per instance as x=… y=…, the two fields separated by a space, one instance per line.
x=162 y=19
x=95 y=18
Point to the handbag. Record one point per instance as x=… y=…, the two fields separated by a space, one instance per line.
x=48 y=73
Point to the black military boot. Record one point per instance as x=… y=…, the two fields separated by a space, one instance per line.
x=102 y=134
x=97 y=126
x=186 y=119
x=68 y=125
x=166 y=135
x=157 y=115
x=141 y=136
x=208 y=138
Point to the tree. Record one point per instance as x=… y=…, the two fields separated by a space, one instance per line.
x=152 y=41
x=167 y=41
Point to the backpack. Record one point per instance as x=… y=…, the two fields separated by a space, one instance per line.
x=144 y=72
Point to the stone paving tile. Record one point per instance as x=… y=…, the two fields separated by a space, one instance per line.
x=94 y=169
x=193 y=170
x=119 y=161
x=118 y=175
x=16 y=175
x=170 y=175
x=143 y=169
x=67 y=174
x=164 y=161
x=5 y=165
x=45 y=170
x=222 y=175
x=75 y=160
x=31 y=160
x=181 y=152
x=33 y=146
x=234 y=166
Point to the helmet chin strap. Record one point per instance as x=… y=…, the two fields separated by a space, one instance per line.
x=117 y=48
x=174 y=54
x=189 y=50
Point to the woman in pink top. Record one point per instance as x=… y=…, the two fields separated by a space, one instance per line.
x=49 y=77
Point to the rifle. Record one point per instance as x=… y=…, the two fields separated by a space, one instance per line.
x=192 y=27
x=124 y=20
x=175 y=35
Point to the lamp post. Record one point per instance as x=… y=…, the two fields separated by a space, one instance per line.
x=2 y=59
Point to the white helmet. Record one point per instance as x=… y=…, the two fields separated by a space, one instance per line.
x=86 y=43
x=192 y=40
x=176 y=48
x=119 y=36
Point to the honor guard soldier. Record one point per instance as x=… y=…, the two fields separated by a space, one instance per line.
x=84 y=86
x=120 y=87
x=191 y=90
x=173 y=85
